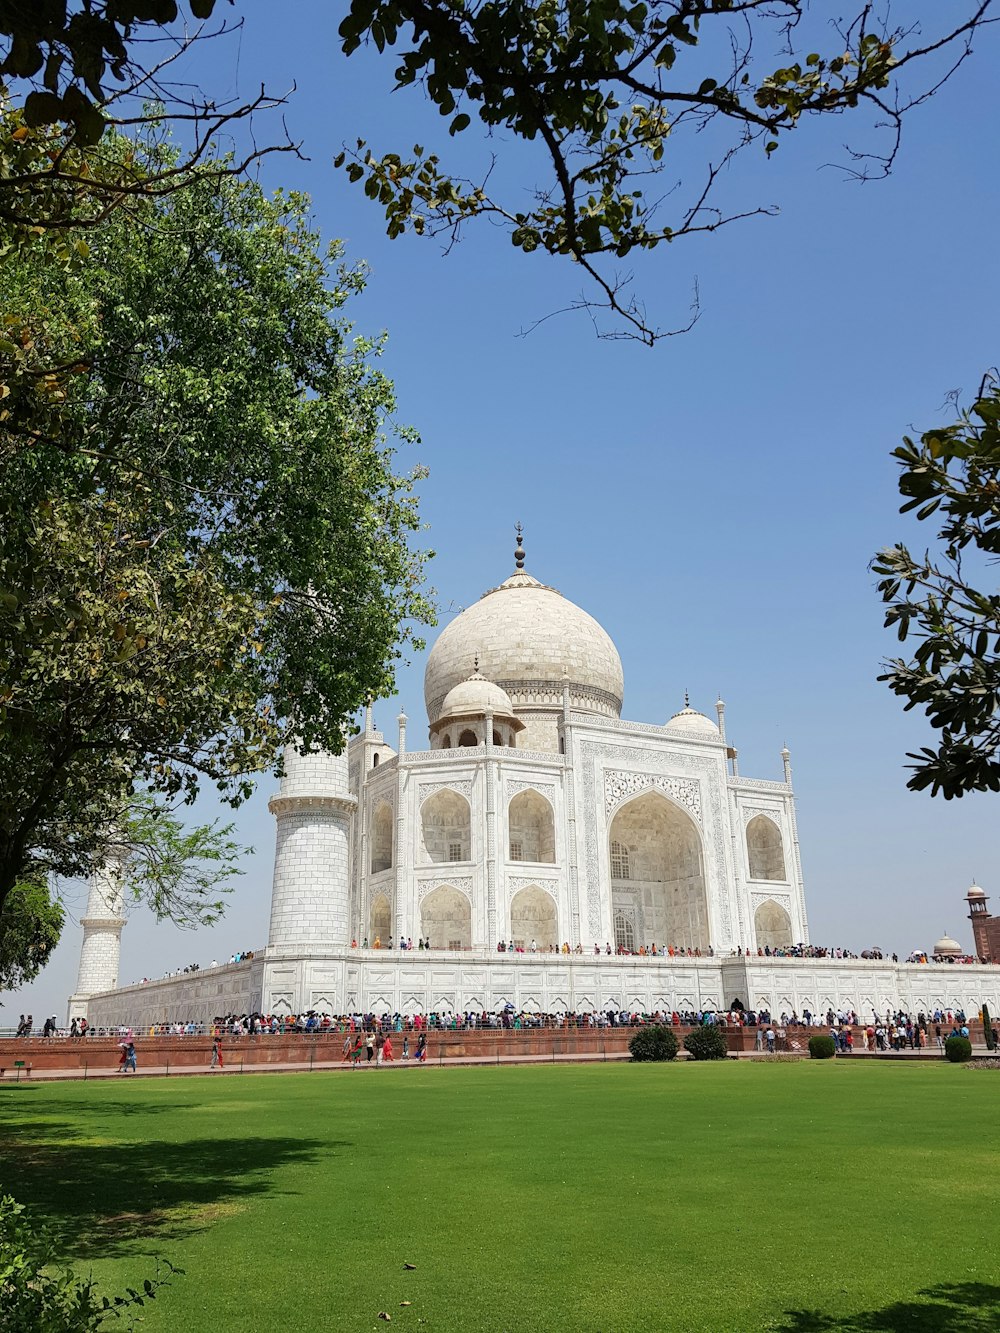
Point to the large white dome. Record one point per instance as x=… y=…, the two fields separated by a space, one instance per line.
x=528 y=639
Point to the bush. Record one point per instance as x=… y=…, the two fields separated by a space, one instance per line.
x=38 y=1295
x=653 y=1043
x=822 y=1047
x=958 y=1050
x=707 y=1043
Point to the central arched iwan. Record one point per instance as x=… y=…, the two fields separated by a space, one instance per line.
x=657 y=876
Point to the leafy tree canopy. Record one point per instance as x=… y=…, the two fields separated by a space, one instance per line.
x=205 y=547
x=30 y=926
x=947 y=600
x=608 y=90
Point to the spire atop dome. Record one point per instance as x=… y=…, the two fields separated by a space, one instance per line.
x=519 y=549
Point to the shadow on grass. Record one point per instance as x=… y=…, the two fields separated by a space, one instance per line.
x=101 y=1198
x=959 y=1307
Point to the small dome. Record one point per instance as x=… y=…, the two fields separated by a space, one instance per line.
x=946 y=947
x=474 y=697
x=975 y=892
x=689 y=719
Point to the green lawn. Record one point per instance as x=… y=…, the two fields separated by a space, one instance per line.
x=720 y=1197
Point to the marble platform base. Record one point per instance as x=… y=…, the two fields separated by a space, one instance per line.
x=383 y=981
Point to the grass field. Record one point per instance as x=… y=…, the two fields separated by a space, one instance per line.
x=795 y=1197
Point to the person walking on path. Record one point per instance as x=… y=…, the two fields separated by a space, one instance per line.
x=129 y=1053
x=370 y=1047
x=217 y=1053
x=422 y=1046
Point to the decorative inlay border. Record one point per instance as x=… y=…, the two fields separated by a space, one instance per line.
x=515 y=785
x=780 y=899
x=463 y=883
x=516 y=883
x=752 y=811
x=461 y=786
x=757 y=784
x=619 y=786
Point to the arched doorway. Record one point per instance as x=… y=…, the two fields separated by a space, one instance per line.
x=381 y=858
x=446 y=919
x=446 y=824
x=532 y=828
x=533 y=917
x=764 y=850
x=381 y=921
x=657 y=878
x=772 y=926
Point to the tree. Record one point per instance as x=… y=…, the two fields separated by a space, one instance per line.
x=947 y=599
x=30 y=926
x=204 y=544
x=607 y=92
x=88 y=66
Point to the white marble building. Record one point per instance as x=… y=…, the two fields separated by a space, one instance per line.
x=535 y=814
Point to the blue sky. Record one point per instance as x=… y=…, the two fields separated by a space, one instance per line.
x=714 y=502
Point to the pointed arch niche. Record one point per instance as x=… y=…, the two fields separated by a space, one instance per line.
x=381 y=921
x=532 y=828
x=765 y=854
x=382 y=839
x=533 y=917
x=659 y=887
x=446 y=919
x=446 y=824
x=772 y=926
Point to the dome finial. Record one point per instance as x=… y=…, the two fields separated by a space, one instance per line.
x=687 y=701
x=519 y=549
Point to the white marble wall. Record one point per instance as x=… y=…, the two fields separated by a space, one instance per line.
x=354 y=980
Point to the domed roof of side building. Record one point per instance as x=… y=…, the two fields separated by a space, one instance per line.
x=975 y=892
x=946 y=947
x=529 y=639
x=690 y=720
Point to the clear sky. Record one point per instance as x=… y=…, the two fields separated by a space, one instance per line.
x=714 y=502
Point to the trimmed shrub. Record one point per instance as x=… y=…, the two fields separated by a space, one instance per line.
x=822 y=1047
x=653 y=1043
x=707 y=1043
x=958 y=1050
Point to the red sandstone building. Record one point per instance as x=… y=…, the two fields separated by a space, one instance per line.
x=985 y=926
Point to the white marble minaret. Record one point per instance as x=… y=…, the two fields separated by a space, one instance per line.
x=310 y=899
x=102 y=937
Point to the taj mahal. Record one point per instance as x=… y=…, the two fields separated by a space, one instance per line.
x=530 y=853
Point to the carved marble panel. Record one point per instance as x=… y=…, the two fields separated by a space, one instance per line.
x=462 y=785
x=515 y=785
x=461 y=882
x=621 y=786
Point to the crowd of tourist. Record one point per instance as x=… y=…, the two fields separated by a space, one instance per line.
x=894 y=1031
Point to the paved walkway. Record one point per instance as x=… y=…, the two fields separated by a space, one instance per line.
x=235 y=1067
